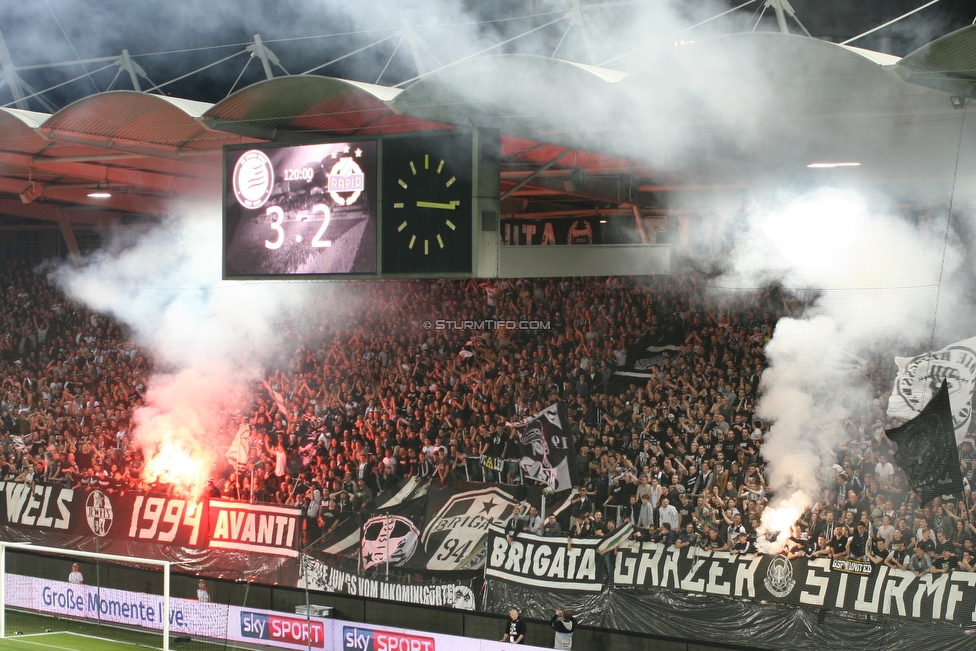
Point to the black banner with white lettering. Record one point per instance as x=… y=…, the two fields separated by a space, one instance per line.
x=549 y=563
x=463 y=594
x=40 y=508
x=454 y=538
x=442 y=531
x=150 y=518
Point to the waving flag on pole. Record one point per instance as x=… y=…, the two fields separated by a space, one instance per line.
x=240 y=447
x=279 y=399
x=920 y=377
x=649 y=351
x=548 y=450
x=927 y=450
x=615 y=539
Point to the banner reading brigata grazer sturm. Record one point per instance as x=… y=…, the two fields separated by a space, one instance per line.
x=547 y=449
x=541 y=567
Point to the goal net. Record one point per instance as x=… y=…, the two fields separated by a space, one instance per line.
x=81 y=600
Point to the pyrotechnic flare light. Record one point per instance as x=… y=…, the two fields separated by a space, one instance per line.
x=775 y=527
x=173 y=464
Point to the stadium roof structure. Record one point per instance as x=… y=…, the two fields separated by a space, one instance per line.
x=715 y=115
x=947 y=63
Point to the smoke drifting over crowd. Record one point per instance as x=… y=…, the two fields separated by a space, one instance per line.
x=446 y=31
x=209 y=338
x=876 y=284
x=875 y=280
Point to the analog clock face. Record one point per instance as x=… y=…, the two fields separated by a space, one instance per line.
x=427 y=204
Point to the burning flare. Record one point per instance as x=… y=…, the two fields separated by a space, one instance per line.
x=173 y=463
x=177 y=429
x=776 y=525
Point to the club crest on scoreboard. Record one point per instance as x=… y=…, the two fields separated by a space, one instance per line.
x=253 y=179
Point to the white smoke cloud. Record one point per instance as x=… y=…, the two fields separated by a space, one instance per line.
x=209 y=337
x=875 y=280
x=449 y=31
x=875 y=277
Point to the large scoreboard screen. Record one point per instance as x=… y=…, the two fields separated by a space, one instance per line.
x=410 y=205
x=293 y=210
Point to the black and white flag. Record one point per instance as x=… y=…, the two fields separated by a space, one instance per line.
x=547 y=449
x=920 y=377
x=649 y=351
x=927 y=450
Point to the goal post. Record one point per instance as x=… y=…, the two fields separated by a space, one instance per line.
x=164 y=566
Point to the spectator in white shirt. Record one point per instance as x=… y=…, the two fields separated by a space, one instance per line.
x=886 y=530
x=669 y=514
x=884 y=470
x=76 y=577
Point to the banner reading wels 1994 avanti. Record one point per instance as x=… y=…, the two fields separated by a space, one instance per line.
x=151 y=518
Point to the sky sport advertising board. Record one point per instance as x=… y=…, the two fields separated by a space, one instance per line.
x=350 y=636
x=300 y=210
x=283 y=630
x=214 y=620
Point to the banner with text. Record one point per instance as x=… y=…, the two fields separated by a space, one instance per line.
x=551 y=563
x=320 y=576
x=150 y=518
x=526 y=232
x=351 y=636
x=137 y=609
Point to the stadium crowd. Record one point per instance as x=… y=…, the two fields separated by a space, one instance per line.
x=391 y=389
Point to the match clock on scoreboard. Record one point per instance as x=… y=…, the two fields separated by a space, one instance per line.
x=427 y=204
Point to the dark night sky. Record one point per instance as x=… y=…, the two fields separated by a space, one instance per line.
x=100 y=28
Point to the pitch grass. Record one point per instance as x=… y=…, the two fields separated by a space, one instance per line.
x=47 y=633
